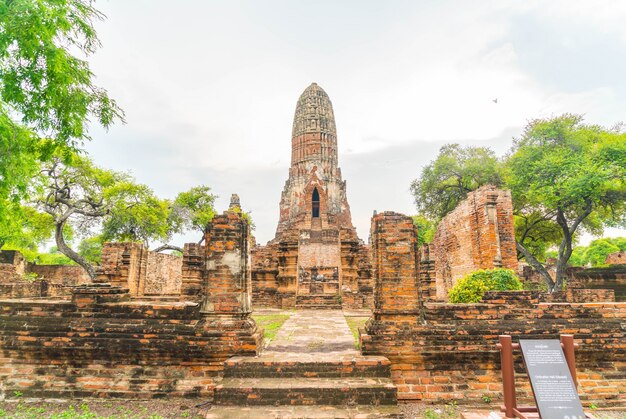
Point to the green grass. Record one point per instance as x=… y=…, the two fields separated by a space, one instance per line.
x=354 y=323
x=270 y=323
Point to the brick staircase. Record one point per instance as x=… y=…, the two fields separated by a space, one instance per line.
x=316 y=387
x=318 y=302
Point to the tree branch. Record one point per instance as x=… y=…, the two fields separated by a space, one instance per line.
x=532 y=261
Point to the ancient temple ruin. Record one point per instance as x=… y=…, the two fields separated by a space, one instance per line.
x=316 y=258
x=155 y=325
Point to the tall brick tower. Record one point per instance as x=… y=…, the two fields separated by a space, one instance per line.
x=314 y=195
x=316 y=258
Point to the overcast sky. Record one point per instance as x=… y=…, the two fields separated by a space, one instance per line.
x=210 y=88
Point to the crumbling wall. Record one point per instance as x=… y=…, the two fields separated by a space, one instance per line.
x=143 y=272
x=478 y=234
x=101 y=344
x=612 y=277
x=22 y=279
x=163 y=274
x=447 y=352
x=616 y=258
x=69 y=275
x=453 y=354
x=193 y=269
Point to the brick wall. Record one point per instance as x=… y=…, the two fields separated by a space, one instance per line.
x=143 y=272
x=99 y=343
x=616 y=258
x=194 y=265
x=611 y=277
x=163 y=274
x=70 y=275
x=447 y=352
x=478 y=234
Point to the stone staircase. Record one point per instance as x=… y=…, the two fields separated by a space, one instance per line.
x=318 y=302
x=350 y=386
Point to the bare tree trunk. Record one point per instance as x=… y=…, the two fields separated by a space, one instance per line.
x=65 y=249
x=532 y=261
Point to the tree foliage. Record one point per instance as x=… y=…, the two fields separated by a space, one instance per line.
x=136 y=214
x=193 y=209
x=447 y=180
x=472 y=287
x=77 y=192
x=425 y=229
x=51 y=89
x=567 y=173
x=46 y=92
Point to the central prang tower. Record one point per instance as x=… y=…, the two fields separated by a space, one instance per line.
x=316 y=259
x=314 y=195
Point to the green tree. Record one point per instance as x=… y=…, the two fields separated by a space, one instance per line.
x=472 y=287
x=77 y=193
x=598 y=250
x=456 y=171
x=137 y=215
x=570 y=174
x=91 y=249
x=536 y=233
x=193 y=209
x=46 y=90
x=425 y=229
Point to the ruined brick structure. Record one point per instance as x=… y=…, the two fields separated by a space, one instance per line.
x=316 y=258
x=143 y=272
x=100 y=343
x=477 y=234
x=20 y=278
x=441 y=351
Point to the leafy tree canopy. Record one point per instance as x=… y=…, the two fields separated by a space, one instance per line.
x=46 y=91
x=456 y=171
x=425 y=229
x=567 y=173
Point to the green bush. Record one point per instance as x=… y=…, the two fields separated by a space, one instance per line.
x=471 y=288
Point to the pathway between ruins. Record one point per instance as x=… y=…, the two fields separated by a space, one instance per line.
x=311 y=369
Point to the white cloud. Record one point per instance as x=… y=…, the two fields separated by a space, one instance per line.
x=210 y=88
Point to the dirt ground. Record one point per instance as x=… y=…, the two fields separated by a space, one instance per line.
x=181 y=408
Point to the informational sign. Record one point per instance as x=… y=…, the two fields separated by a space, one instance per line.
x=551 y=381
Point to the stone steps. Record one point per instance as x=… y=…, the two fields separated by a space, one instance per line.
x=372 y=391
x=341 y=412
x=306 y=386
x=358 y=366
x=318 y=302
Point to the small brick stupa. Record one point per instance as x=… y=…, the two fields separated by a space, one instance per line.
x=316 y=259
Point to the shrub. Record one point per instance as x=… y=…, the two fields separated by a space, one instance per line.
x=471 y=288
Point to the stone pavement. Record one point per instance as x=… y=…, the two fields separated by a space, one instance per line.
x=311 y=334
x=311 y=369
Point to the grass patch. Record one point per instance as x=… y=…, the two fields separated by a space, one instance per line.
x=270 y=323
x=354 y=323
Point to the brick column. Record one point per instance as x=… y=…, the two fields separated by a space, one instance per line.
x=194 y=263
x=395 y=266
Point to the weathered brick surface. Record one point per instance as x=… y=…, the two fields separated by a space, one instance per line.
x=617 y=258
x=49 y=280
x=315 y=251
x=611 y=277
x=99 y=343
x=478 y=234
x=443 y=352
x=193 y=269
x=122 y=349
x=143 y=272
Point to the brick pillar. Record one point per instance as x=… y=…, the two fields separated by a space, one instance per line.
x=395 y=266
x=194 y=264
x=428 y=285
x=227 y=284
